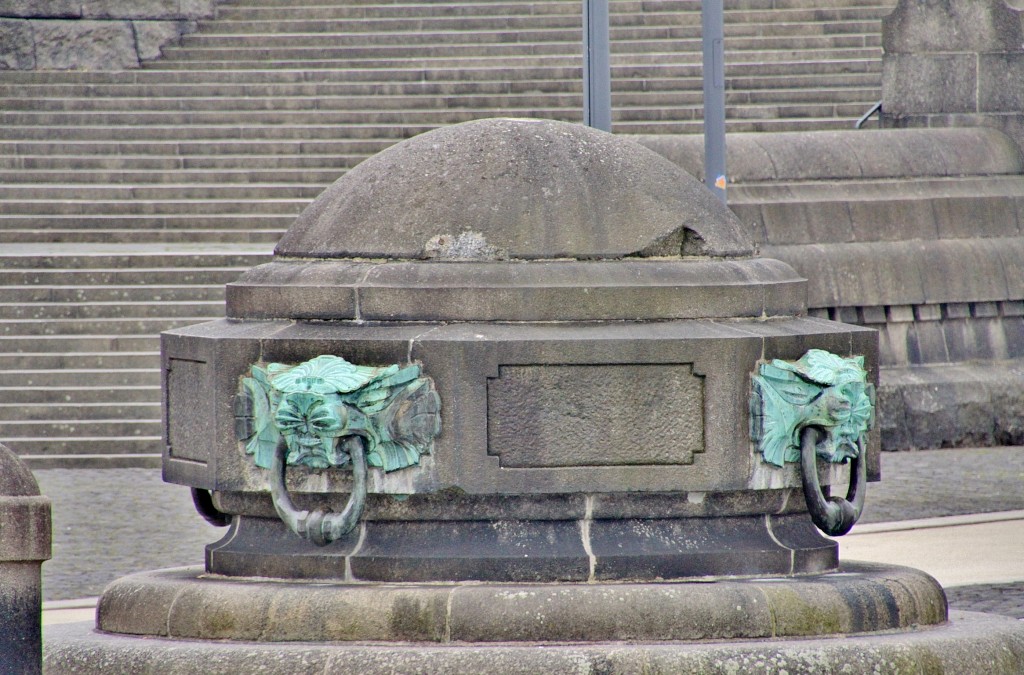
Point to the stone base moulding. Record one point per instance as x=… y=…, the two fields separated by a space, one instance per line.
x=534 y=550
x=192 y=621
x=189 y=604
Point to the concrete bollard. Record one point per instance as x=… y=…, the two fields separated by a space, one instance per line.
x=24 y=545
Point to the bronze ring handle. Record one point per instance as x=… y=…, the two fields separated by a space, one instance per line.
x=833 y=516
x=318 y=526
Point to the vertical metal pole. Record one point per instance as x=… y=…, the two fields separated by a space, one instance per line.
x=713 y=33
x=597 y=75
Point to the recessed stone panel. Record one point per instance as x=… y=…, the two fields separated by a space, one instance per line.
x=189 y=435
x=543 y=416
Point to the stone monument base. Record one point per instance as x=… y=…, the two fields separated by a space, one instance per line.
x=969 y=643
x=864 y=618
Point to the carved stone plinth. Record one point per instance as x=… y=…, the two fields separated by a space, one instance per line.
x=591 y=333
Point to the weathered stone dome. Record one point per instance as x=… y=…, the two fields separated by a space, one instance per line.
x=515 y=189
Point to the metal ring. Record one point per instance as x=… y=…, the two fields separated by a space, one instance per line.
x=203 y=501
x=320 y=527
x=833 y=516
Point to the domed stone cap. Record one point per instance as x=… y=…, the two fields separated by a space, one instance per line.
x=15 y=478
x=515 y=189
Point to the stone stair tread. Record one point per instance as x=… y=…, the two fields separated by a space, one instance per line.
x=180 y=177
x=406 y=71
x=134 y=410
x=362 y=108
x=76 y=395
x=161 y=235
x=85 y=445
x=363 y=97
x=89 y=326
x=878 y=189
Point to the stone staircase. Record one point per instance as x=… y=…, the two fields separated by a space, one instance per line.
x=79 y=346
x=127 y=199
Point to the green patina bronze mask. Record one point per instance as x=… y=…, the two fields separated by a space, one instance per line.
x=821 y=390
x=315 y=403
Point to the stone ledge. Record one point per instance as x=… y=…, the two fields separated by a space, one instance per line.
x=952 y=405
x=886 y=273
x=939 y=333
x=848 y=154
x=624 y=290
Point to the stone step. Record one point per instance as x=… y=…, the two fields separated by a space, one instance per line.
x=415 y=33
x=647 y=52
x=39 y=412
x=622 y=26
x=139 y=275
x=93 y=326
x=173 y=165
x=190 y=57
x=31 y=448
x=115 y=258
x=801 y=110
x=766 y=12
x=683 y=35
x=282 y=95
x=85 y=377
x=18 y=344
x=319 y=109
x=247 y=193
x=238 y=176
x=270 y=123
x=395 y=72
x=62 y=204
x=96 y=428
x=109 y=310
x=151 y=77
x=245 y=121
x=228 y=7
x=737 y=126
x=109 y=293
x=285 y=95
x=227 y=223
x=194 y=151
x=128 y=236
x=126 y=98
x=967 y=208
x=254 y=110
x=70 y=395
x=221 y=132
x=26 y=361
x=656 y=63
x=64 y=295
x=321 y=11
x=329 y=125
x=856 y=190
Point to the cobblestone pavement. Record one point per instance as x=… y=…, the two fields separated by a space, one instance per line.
x=111 y=522
x=933 y=483
x=1006 y=599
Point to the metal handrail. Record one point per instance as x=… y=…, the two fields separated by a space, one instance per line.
x=864 y=118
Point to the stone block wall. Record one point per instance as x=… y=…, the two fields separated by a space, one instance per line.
x=954 y=63
x=92 y=34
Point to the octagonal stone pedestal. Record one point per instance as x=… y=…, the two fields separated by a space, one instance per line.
x=590 y=319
